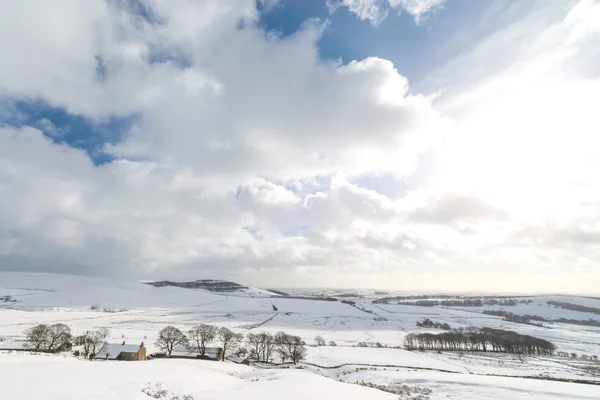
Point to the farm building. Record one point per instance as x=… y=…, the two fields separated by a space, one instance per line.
x=238 y=360
x=15 y=346
x=210 y=353
x=26 y=346
x=122 y=352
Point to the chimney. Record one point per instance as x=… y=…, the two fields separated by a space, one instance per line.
x=123 y=343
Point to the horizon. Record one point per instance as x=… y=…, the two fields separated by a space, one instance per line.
x=339 y=289
x=407 y=145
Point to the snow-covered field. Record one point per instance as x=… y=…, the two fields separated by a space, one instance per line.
x=63 y=378
x=135 y=312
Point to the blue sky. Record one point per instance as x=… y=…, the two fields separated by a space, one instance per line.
x=414 y=48
x=404 y=144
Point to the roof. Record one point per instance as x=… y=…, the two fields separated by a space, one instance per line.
x=213 y=351
x=236 y=359
x=114 y=349
x=14 y=345
x=182 y=351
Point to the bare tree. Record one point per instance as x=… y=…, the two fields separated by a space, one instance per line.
x=261 y=346
x=254 y=346
x=38 y=337
x=241 y=351
x=296 y=349
x=82 y=340
x=332 y=343
x=280 y=340
x=58 y=334
x=92 y=340
x=97 y=340
x=229 y=340
x=170 y=337
x=319 y=341
x=201 y=335
x=267 y=345
x=290 y=347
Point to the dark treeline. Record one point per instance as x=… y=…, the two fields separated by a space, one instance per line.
x=574 y=307
x=459 y=303
x=427 y=323
x=319 y=298
x=449 y=297
x=521 y=319
x=589 y=322
x=526 y=319
x=487 y=339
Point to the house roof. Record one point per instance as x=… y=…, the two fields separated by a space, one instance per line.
x=236 y=359
x=213 y=351
x=182 y=351
x=14 y=345
x=114 y=349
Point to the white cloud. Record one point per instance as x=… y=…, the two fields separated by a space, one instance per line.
x=250 y=144
x=49 y=128
x=375 y=11
x=417 y=8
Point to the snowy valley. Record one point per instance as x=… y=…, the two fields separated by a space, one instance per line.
x=363 y=332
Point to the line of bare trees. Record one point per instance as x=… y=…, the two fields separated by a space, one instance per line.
x=574 y=307
x=262 y=347
x=50 y=338
x=57 y=337
x=198 y=337
x=92 y=341
x=487 y=339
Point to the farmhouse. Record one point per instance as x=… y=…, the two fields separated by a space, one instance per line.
x=122 y=352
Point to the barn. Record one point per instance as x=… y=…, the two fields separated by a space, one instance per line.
x=27 y=346
x=15 y=346
x=238 y=360
x=122 y=352
x=210 y=353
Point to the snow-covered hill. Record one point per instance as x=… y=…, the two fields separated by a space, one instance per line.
x=135 y=312
x=60 y=378
x=217 y=286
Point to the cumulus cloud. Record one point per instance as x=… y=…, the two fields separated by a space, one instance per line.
x=245 y=151
x=375 y=11
x=445 y=208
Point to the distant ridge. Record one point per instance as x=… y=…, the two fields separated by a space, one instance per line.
x=212 y=285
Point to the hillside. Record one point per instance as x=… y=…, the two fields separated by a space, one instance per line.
x=205 y=284
x=216 y=286
x=197 y=380
x=364 y=338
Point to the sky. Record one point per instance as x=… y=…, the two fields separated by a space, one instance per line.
x=398 y=144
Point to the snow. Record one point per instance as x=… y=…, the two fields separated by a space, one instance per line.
x=332 y=356
x=59 y=378
x=14 y=345
x=135 y=312
x=477 y=387
x=540 y=308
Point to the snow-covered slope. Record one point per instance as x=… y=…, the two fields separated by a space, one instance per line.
x=217 y=286
x=35 y=290
x=135 y=312
x=59 y=378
